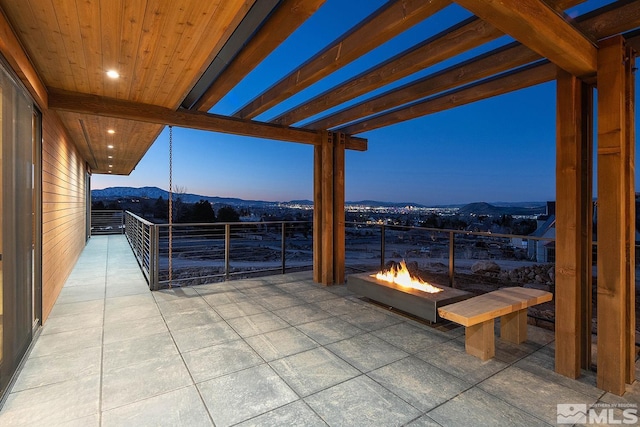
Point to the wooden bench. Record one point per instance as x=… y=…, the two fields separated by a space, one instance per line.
x=477 y=315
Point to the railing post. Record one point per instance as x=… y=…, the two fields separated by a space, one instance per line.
x=284 y=247
x=382 y=247
x=152 y=257
x=452 y=254
x=227 y=250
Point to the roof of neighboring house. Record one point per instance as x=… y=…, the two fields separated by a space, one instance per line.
x=545 y=227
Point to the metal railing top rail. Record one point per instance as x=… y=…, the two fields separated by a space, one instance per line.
x=220 y=224
x=139 y=218
x=449 y=230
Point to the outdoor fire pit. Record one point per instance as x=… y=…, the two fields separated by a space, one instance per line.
x=418 y=298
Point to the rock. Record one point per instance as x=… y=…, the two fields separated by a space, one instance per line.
x=482 y=267
x=438 y=266
x=413 y=267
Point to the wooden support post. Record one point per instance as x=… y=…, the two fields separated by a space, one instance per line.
x=586 y=227
x=574 y=175
x=326 y=277
x=338 y=208
x=328 y=214
x=614 y=166
x=513 y=327
x=317 y=214
x=479 y=340
x=629 y=169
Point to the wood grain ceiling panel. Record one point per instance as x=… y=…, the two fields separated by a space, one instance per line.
x=159 y=47
x=90 y=134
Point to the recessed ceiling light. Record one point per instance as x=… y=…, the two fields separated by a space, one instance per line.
x=110 y=166
x=109 y=171
x=113 y=74
x=110 y=157
x=109 y=146
x=111 y=131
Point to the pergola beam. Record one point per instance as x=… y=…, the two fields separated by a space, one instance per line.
x=121 y=109
x=453 y=41
x=605 y=22
x=536 y=25
x=385 y=23
x=494 y=62
x=505 y=83
x=281 y=24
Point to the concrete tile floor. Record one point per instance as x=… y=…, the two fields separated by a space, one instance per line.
x=274 y=351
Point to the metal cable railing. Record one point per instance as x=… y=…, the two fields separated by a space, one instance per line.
x=142 y=237
x=107 y=222
x=207 y=252
x=452 y=252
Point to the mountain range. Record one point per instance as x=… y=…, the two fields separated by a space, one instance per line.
x=478 y=208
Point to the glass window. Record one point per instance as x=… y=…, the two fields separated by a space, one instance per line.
x=17 y=239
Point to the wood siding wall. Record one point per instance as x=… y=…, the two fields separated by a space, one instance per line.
x=63 y=208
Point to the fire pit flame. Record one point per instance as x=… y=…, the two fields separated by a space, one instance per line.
x=401 y=276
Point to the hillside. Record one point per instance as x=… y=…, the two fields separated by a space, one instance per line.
x=483 y=208
x=479 y=208
x=155 y=192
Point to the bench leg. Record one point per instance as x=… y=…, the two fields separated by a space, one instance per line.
x=513 y=327
x=479 y=340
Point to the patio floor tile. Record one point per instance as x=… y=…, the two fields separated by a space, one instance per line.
x=239 y=309
x=422 y=385
x=245 y=394
x=482 y=409
x=182 y=407
x=297 y=413
x=129 y=352
x=531 y=393
x=221 y=359
x=120 y=331
x=367 y=352
x=57 y=368
x=313 y=370
x=52 y=404
x=257 y=324
x=281 y=343
x=361 y=402
x=329 y=330
x=452 y=357
x=147 y=378
x=204 y=336
x=302 y=314
x=409 y=338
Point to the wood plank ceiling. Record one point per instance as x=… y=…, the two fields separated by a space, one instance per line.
x=162 y=48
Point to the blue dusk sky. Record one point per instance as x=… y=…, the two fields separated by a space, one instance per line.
x=499 y=149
